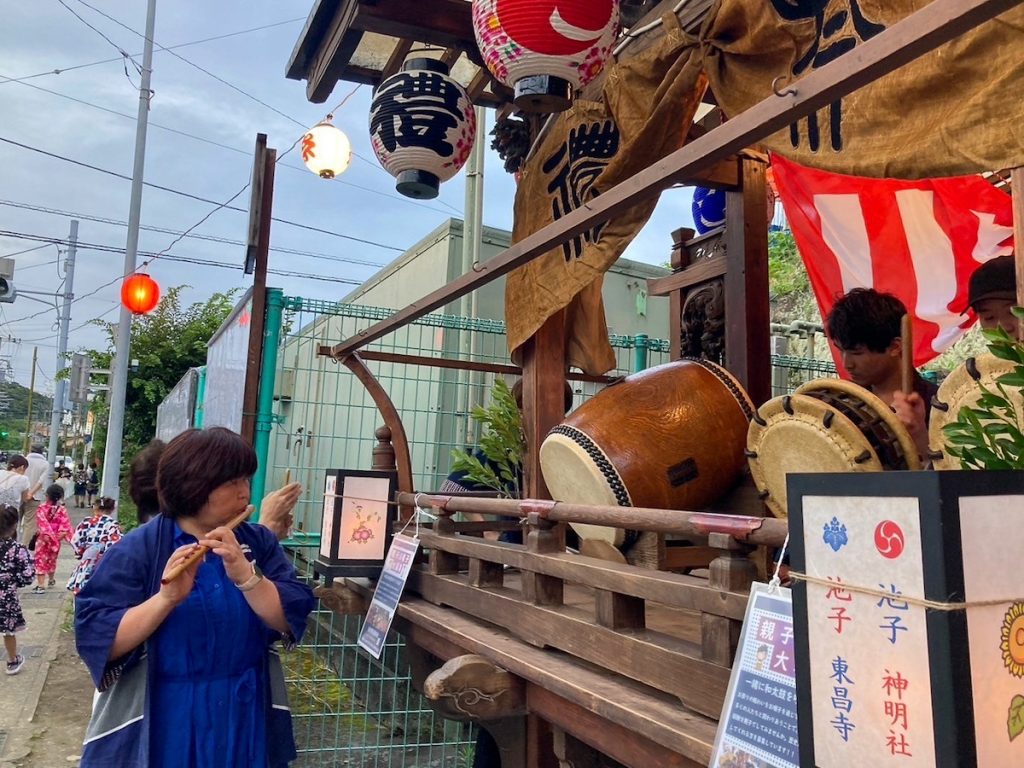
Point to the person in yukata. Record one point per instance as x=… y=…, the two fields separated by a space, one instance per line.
x=202 y=685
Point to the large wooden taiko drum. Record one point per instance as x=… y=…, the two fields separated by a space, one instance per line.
x=670 y=437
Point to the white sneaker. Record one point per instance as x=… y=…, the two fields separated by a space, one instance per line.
x=14 y=665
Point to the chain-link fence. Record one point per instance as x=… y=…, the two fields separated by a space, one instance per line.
x=349 y=709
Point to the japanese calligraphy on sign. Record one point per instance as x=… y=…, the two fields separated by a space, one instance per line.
x=758 y=726
x=869 y=658
x=416 y=109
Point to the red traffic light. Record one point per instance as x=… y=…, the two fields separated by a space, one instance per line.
x=140 y=294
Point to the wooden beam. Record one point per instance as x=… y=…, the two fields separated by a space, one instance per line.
x=701 y=272
x=476 y=689
x=1017 y=187
x=333 y=54
x=747 y=311
x=444 y=23
x=937 y=23
x=543 y=396
x=396 y=59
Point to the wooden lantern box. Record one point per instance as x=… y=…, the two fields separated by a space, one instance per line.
x=883 y=679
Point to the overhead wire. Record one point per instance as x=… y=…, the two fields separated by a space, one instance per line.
x=62 y=70
x=216 y=77
x=192 y=235
x=124 y=54
x=198 y=198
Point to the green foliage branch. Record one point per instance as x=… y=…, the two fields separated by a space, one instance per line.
x=501 y=442
x=989 y=435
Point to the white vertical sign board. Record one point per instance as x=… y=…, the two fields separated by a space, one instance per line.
x=869 y=658
x=993 y=547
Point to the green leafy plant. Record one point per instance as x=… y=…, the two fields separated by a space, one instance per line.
x=989 y=435
x=501 y=443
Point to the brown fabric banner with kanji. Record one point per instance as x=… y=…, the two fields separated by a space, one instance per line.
x=647 y=109
x=957 y=110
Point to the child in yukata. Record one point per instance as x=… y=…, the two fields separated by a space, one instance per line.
x=53 y=528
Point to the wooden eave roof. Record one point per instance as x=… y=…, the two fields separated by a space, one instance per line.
x=366 y=41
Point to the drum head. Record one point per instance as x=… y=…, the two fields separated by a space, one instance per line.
x=893 y=425
x=798 y=433
x=580 y=473
x=963 y=389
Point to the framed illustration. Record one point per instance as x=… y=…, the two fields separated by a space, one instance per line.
x=358 y=518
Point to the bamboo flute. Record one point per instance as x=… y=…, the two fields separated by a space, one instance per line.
x=907 y=367
x=202 y=549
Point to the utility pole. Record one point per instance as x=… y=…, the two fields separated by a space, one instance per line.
x=31 y=390
x=62 y=344
x=122 y=354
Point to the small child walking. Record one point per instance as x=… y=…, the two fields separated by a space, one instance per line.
x=16 y=571
x=54 y=527
x=92 y=538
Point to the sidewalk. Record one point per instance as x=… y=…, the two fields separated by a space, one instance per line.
x=19 y=694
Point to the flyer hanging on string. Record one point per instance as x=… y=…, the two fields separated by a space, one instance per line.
x=384 y=604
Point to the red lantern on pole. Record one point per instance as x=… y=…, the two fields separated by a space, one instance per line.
x=140 y=293
x=545 y=49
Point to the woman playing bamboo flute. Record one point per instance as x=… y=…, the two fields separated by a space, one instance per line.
x=200 y=643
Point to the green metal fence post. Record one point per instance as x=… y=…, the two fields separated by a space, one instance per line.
x=640 y=352
x=197 y=417
x=265 y=402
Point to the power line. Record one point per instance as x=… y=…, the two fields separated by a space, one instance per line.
x=193 y=235
x=216 y=77
x=169 y=257
x=198 y=198
x=125 y=57
x=237 y=150
x=62 y=70
x=26 y=250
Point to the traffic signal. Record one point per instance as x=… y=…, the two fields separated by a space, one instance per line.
x=7 y=291
x=79 y=378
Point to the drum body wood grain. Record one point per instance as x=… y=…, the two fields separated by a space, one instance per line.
x=670 y=437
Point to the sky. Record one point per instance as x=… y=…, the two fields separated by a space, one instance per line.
x=202 y=130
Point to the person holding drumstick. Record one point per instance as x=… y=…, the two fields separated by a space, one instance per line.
x=865 y=326
x=198 y=643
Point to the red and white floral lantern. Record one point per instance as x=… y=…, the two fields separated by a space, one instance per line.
x=422 y=126
x=545 y=49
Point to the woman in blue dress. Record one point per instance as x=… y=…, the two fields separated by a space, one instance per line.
x=187 y=673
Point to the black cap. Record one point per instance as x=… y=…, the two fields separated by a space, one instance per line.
x=995 y=279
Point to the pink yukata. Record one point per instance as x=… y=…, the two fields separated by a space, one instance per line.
x=54 y=527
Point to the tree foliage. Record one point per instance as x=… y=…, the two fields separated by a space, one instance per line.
x=166 y=343
x=501 y=442
x=788 y=285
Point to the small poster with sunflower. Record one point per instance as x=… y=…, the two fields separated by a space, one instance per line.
x=993 y=542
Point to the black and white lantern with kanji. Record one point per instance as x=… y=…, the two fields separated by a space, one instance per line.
x=422 y=126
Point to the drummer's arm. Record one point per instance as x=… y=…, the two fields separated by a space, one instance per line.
x=910 y=410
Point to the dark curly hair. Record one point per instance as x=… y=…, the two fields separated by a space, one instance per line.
x=865 y=317
x=195 y=463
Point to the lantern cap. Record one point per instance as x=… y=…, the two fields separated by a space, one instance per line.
x=543 y=94
x=420 y=185
x=425 y=63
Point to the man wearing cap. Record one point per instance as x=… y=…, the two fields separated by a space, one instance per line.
x=992 y=293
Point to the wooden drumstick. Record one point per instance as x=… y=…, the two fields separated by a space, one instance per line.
x=287 y=476
x=907 y=367
x=202 y=549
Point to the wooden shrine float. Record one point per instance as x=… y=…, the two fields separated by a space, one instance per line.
x=571 y=660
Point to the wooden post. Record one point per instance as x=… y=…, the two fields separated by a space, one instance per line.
x=677 y=261
x=383 y=451
x=543 y=396
x=257 y=256
x=732 y=571
x=1017 y=189
x=747 y=313
x=538 y=588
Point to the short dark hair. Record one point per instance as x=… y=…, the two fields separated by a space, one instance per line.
x=142 y=479
x=17 y=461
x=8 y=521
x=37 y=448
x=107 y=504
x=54 y=492
x=995 y=279
x=865 y=317
x=195 y=463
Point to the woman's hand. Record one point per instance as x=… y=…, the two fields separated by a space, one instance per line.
x=177 y=590
x=276 y=509
x=222 y=542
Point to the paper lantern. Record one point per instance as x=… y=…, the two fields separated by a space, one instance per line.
x=326 y=151
x=140 y=293
x=422 y=126
x=356 y=522
x=544 y=49
x=708 y=209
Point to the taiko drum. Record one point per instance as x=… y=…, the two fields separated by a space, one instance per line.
x=670 y=437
